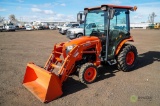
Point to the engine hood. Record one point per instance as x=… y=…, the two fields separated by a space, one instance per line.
x=75 y=29
x=65 y=28
x=81 y=40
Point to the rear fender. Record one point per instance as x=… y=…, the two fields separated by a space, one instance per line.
x=122 y=43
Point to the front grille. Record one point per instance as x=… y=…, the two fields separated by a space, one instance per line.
x=68 y=32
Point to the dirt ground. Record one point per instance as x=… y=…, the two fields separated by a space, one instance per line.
x=140 y=87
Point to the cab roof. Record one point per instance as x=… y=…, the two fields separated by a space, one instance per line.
x=110 y=6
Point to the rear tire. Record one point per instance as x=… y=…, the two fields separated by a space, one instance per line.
x=127 y=58
x=88 y=73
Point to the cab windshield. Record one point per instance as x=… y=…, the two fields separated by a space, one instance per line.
x=9 y=24
x=94 y=22
x=81 y=26
x=69 y=25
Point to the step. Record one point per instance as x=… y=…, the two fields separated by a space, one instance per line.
x=56 y=66
x=59 y=60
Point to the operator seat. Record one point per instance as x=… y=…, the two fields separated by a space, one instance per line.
x=113 y=35
x=100 y=35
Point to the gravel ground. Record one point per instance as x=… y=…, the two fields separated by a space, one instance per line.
x=140 y=87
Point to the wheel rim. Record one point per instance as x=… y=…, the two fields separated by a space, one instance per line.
x=90 y=74
x=130 y=58
x=79 y=35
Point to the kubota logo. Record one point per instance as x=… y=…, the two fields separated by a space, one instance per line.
x=133 y=98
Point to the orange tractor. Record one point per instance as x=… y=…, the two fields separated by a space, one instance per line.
x=106 y=30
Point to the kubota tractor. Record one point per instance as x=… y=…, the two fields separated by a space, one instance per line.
x=106 y=30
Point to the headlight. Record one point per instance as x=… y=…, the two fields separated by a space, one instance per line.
x=69 y=48
x=72 y=32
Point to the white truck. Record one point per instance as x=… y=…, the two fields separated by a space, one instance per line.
x=63 y=30
x=29 y=27
x=52 y=26
x=9 y=27
x=73 y=33
x=59 y=26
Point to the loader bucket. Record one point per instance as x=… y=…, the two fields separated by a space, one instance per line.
x=45 y=85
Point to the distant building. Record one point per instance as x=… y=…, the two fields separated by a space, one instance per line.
x=140 y=25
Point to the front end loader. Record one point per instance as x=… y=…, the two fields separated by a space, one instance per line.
x=106 y=29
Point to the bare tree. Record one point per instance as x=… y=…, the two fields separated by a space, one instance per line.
x=151 y=17
x=13 y=19
x=1 y=19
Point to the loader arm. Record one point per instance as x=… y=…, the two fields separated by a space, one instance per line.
x=54 y=57
x=70 y=59
x=75 y=55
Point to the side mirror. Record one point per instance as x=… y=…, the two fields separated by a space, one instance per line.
x=79 y=17
x=111 y=13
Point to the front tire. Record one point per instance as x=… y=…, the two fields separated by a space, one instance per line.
x=127 y=58
x=79 y=35
x=88 y=73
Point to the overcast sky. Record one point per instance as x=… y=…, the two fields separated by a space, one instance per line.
x=66 y=10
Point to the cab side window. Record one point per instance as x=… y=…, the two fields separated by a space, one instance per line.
x=119 y=20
